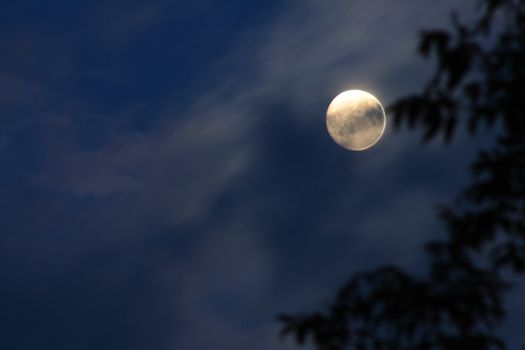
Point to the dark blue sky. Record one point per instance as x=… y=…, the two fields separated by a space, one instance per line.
x=167 y=180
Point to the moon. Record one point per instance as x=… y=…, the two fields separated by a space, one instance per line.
x=355 y=120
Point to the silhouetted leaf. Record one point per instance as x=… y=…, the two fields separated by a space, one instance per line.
x=437 y=40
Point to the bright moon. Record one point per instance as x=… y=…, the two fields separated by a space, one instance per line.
x=355 y=120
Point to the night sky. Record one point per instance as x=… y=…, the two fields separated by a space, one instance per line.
x=167 y=180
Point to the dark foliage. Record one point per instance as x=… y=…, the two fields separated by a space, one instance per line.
x=479 y=80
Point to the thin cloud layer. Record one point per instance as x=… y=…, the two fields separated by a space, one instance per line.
x=235 y=205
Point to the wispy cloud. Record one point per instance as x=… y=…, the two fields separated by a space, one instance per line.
x=222 y=153
x=311 y=51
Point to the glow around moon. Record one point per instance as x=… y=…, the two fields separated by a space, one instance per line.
x=355 y=120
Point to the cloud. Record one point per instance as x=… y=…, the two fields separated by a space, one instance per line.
x=317 y=49
x=178 y=171
x=398 y=236
x=15 y=91
x=269 y=212
x=309 y=52
x=218 y=286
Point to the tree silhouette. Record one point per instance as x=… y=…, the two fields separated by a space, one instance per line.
x=479 y=79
